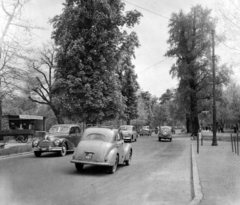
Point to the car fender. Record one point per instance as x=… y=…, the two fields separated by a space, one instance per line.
x=112 y=156
x=127 y=149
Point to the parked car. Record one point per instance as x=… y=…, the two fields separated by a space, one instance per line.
x=60 y=138
x=129 y=132
x=102 y=147
x=146 y=130
x=165 y=132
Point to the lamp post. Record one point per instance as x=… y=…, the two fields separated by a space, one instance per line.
x=214 y=139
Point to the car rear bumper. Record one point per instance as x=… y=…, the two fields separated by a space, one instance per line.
x=165 y=137
x=89 y=162
x=47 y=149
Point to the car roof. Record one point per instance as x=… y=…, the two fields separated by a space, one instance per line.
x=166 y=127
x=126 y=125
x=68 y=125
x=100 y=130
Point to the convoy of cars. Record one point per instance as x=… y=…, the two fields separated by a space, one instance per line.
x=97 y=145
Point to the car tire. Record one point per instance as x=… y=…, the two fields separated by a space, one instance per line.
x=129 y=159
x=159 y=139
x=113 y=168
x=79 y=167
x=63 y=152
x=37 y=153
x=170 y=140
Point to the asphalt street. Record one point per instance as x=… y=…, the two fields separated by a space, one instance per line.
x=159 y=174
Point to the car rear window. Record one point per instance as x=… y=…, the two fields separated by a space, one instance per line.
x=166 y=129
x=95 y=136
x=125 y=128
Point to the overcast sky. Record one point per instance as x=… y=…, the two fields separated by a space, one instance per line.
x=151 y=66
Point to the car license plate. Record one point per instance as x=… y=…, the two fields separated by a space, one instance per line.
x=43 y=149
x=89 y=156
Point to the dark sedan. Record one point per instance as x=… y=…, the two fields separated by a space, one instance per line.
x=60 y=138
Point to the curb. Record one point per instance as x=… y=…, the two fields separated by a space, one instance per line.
x=197 y=190
x=15 y=155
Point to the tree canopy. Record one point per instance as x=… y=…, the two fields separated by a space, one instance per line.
x=190 y=43
x=91 y=44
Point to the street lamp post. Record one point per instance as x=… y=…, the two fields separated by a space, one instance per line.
x=214 y=139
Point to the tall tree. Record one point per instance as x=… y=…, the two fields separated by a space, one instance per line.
x=90 y=35
x=190 y=43
x=40 y=79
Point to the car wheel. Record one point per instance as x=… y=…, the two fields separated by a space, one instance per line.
x=37 y=153
x=24 y=139
x=79 y=167
x=170 y=140
x=63 y=152
x=113 y=168
x=159 y=139
x=129 y=158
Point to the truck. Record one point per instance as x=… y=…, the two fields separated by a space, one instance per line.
x=22 y=127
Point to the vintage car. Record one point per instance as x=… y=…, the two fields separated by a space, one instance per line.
x=129 y=132
x=165 y=132
x=102 y=147
x=145 y=130
x=60 y=138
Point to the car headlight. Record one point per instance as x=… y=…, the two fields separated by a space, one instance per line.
x=35 y=143
x=57 y=142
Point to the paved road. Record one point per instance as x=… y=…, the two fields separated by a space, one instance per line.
x=159 y=174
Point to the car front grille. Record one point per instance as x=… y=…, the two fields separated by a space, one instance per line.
x=44 y=144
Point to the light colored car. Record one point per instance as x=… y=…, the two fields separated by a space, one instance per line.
x=165 y=132
x=129 y=132
x=102 y=147
x=146 y=130
x=60 y=138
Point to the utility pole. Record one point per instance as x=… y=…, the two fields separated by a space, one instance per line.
x=214 y=139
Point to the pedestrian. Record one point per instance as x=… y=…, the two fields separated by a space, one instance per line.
x=235 y=128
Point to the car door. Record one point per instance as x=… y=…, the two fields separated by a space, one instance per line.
x=120 y=144
x=75 y=135
x=134 y=133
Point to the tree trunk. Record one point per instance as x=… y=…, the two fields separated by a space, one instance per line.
x=194 y=114
x=58 y=115
x=0 y=114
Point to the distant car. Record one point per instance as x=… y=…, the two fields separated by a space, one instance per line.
x=102 y=147
x=129 y=132
x=145 y=130
x=165 y=132
x=60 y=138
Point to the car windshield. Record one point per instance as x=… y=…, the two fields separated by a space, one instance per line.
x=125 y=128
x=96 y=136
x=59 y=129
x=145 y=127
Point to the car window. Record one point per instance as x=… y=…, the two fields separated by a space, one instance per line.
x=72 y=130
x=59 y=129
x=124 y=128
x=96 y=136
x=78 y=130
x=118 y=137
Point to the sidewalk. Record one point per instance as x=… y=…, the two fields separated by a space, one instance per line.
x=218 y=169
